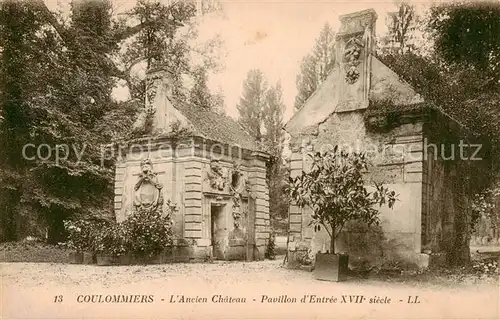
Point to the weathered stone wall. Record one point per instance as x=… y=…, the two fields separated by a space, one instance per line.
x=397 y=161
x=185 y=183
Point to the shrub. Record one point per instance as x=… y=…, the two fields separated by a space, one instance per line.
x=149 y=232
x=104 y=241
x=121 y=239
x=144 y=232
x=304 y=257
x=33 y=251
x=80 y=234
x=111 y=239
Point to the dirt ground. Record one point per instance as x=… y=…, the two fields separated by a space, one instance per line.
x=252 y=286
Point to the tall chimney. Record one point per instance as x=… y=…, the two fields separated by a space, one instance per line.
x=158 y=97
x=355 y=46
x=157 y=81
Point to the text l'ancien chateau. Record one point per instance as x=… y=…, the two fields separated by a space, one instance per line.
x=218 y=298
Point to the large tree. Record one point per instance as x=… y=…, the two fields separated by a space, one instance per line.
x=316 y=66
x=261 y=111
x=169 y=39
x=156 y=43
x=277 y=172
x=58 y=79
x=19 y=44
x=200 y=94
x=468 y=35
x=401 y=29
x=64 y=95
x=273 y=120
x=252 y=103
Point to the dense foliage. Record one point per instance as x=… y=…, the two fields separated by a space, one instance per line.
x=81 y=234
x=110 y=239
x=336 y=192
x=468 y=34
x=53 y=99
x=56 y=103
x=457 y=71
x=148 y=233
x=144 y=233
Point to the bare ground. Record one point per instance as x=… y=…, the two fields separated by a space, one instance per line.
x=37 y=284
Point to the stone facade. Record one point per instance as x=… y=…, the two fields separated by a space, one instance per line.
x=215 y=177
x=363 y=106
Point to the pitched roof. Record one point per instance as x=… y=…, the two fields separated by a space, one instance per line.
x=202 y=122
x=385 y=84
x=217 y=127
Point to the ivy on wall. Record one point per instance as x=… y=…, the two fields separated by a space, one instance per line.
x=385 y=115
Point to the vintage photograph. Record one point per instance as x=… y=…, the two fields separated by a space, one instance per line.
x=249 y=159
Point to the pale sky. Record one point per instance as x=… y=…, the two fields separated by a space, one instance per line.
x=272 y=36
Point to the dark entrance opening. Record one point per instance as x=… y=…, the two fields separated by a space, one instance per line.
x=217 y=231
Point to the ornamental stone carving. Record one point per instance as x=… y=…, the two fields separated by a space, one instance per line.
x=148 y=191
x=216 y=176
x=238 y=186
x=352 y=75
x=352 y=55
x=357 y=22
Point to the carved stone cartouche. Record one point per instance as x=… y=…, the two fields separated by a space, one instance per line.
x=148 y=191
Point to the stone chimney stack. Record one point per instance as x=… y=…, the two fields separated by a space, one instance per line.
x=158 y=97
x=355 y=47
x=157 y=81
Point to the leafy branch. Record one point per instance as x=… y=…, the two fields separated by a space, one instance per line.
x=335 y=190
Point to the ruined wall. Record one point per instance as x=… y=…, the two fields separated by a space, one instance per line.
x=397 y=161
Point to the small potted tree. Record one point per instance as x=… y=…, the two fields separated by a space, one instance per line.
x=335 y=190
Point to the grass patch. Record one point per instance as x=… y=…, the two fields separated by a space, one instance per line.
x=33 y=251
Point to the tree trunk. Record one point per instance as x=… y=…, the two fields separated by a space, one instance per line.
x=332 y=244
x=332 y=238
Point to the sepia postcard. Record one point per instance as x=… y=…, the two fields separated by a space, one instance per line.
x=249 y=159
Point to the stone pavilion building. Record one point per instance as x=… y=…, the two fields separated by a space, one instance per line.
x=364 y=106
x=205 y=164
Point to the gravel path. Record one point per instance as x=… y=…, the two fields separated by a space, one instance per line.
x=258 y=290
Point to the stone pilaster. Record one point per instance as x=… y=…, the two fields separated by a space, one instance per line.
x=257 y=178
x=192 y=200
x=119 y=192
x=295 y=221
